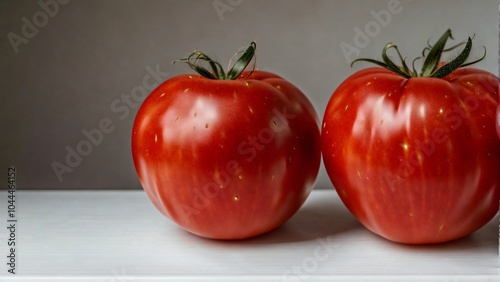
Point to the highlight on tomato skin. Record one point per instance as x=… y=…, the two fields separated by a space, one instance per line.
x=227 y=155
x=414 y=155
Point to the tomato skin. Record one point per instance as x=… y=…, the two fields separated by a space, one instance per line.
x=227 y=159
x=415 y=160
x=498 y=121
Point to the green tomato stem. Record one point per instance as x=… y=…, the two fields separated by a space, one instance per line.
x=216 y=70
x=430 y=67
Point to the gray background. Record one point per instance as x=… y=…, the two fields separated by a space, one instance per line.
x=66 y=78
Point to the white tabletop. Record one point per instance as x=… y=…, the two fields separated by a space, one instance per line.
x=120 y=236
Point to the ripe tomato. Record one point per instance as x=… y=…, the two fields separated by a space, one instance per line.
x=415 y=157
x=227 y=158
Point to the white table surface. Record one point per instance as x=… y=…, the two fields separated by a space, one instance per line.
x=120 y=236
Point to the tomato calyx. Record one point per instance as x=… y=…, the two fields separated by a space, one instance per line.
x=432 y=66
x=196 y=58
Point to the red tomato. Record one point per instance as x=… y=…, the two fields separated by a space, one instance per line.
x=416 y=160
x=227 y=159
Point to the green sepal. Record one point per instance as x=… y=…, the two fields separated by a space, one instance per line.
x=432 y=59
x=195 y=59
